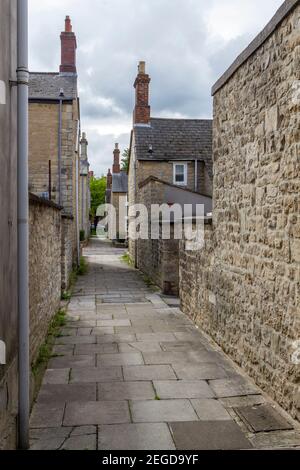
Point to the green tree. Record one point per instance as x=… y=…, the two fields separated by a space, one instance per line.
x=125 y=160
x=98 y=188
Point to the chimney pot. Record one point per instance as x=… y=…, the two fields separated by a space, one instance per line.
x=142 y=67
x=68 y=25
x=142 y=111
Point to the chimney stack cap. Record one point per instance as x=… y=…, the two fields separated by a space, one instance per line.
x=142 y=67
x=117 y=146
x=68 y=24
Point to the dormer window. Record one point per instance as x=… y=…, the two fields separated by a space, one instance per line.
x=180 y=174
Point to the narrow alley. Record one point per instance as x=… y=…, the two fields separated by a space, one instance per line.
x=130 y=371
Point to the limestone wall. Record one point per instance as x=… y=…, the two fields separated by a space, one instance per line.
x=158 y=259
x=44 y=269
x=244 y=287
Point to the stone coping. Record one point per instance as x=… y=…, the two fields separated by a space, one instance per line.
x=279 y=16
x=33 y=198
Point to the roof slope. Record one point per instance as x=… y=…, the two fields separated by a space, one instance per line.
x=120 y=182
x=175 y=139
x=48 y=85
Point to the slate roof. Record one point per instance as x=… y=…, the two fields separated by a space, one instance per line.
x=120 y=182
x=48 y=85
x=175 y=139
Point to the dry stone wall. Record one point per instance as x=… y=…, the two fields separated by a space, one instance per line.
x=244 y=287
x=44 y=269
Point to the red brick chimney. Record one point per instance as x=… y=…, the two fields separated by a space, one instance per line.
x=109 y=179
x=141 y=113
x=116 y=165
x=68 y=49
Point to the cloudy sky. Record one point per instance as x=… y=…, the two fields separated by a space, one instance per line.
x=187 y=45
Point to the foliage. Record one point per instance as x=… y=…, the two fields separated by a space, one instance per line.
x=66 y=295
x=83 y=267
x=127 y=259
x=82 y=235
x=45 y=351
x=98 y=188
x=125 y=160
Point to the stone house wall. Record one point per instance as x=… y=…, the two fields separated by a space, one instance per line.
x=140 y=170
x=244 y=288
x=158 y=259
x=44 y=269
x=8 y=239
x=43 y=146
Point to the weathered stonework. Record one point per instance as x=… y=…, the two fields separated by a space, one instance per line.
x=243 y=288
x=44 y=269
x=158 y=259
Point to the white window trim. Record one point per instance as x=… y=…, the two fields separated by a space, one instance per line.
x=183 y=183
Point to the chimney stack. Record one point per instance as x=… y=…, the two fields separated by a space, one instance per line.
x=68 y=49
x=109 y=179
x=116 y=165
x=141 y=115
x=84 y=145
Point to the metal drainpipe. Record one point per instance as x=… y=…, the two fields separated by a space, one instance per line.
x=196 y=175
x=77 y=192
x=23 y=230
x=59 y=147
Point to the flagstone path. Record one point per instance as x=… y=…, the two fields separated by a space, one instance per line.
x=132 y=372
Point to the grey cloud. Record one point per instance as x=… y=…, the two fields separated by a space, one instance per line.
x=170 y=35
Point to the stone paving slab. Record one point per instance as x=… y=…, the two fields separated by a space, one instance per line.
x=126 y=391
x=70 y=392
x=101 y=412
x=72 y=361
x=181 y=346
x=76 y=340
x=209 y=435
x=63 y=349
x=47 y=415
x=144 y=436
x=233 y=387
x=106 y=348
x=199 y=372
x=160 y=411
x=121 y=359
x=96 y=374
x=210 y=410
x=182 y=389
x=155 y=337
x=103 y=330
x=52 y=443
x=120 y=338
x=141 y=346
x=56 y=376
x=88 y=442
x=133 y=373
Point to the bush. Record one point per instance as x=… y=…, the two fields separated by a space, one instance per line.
x=82 y=235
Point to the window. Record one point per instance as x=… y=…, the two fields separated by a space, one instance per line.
x=180 y=174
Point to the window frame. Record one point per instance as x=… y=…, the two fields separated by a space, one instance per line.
x=185 y=166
